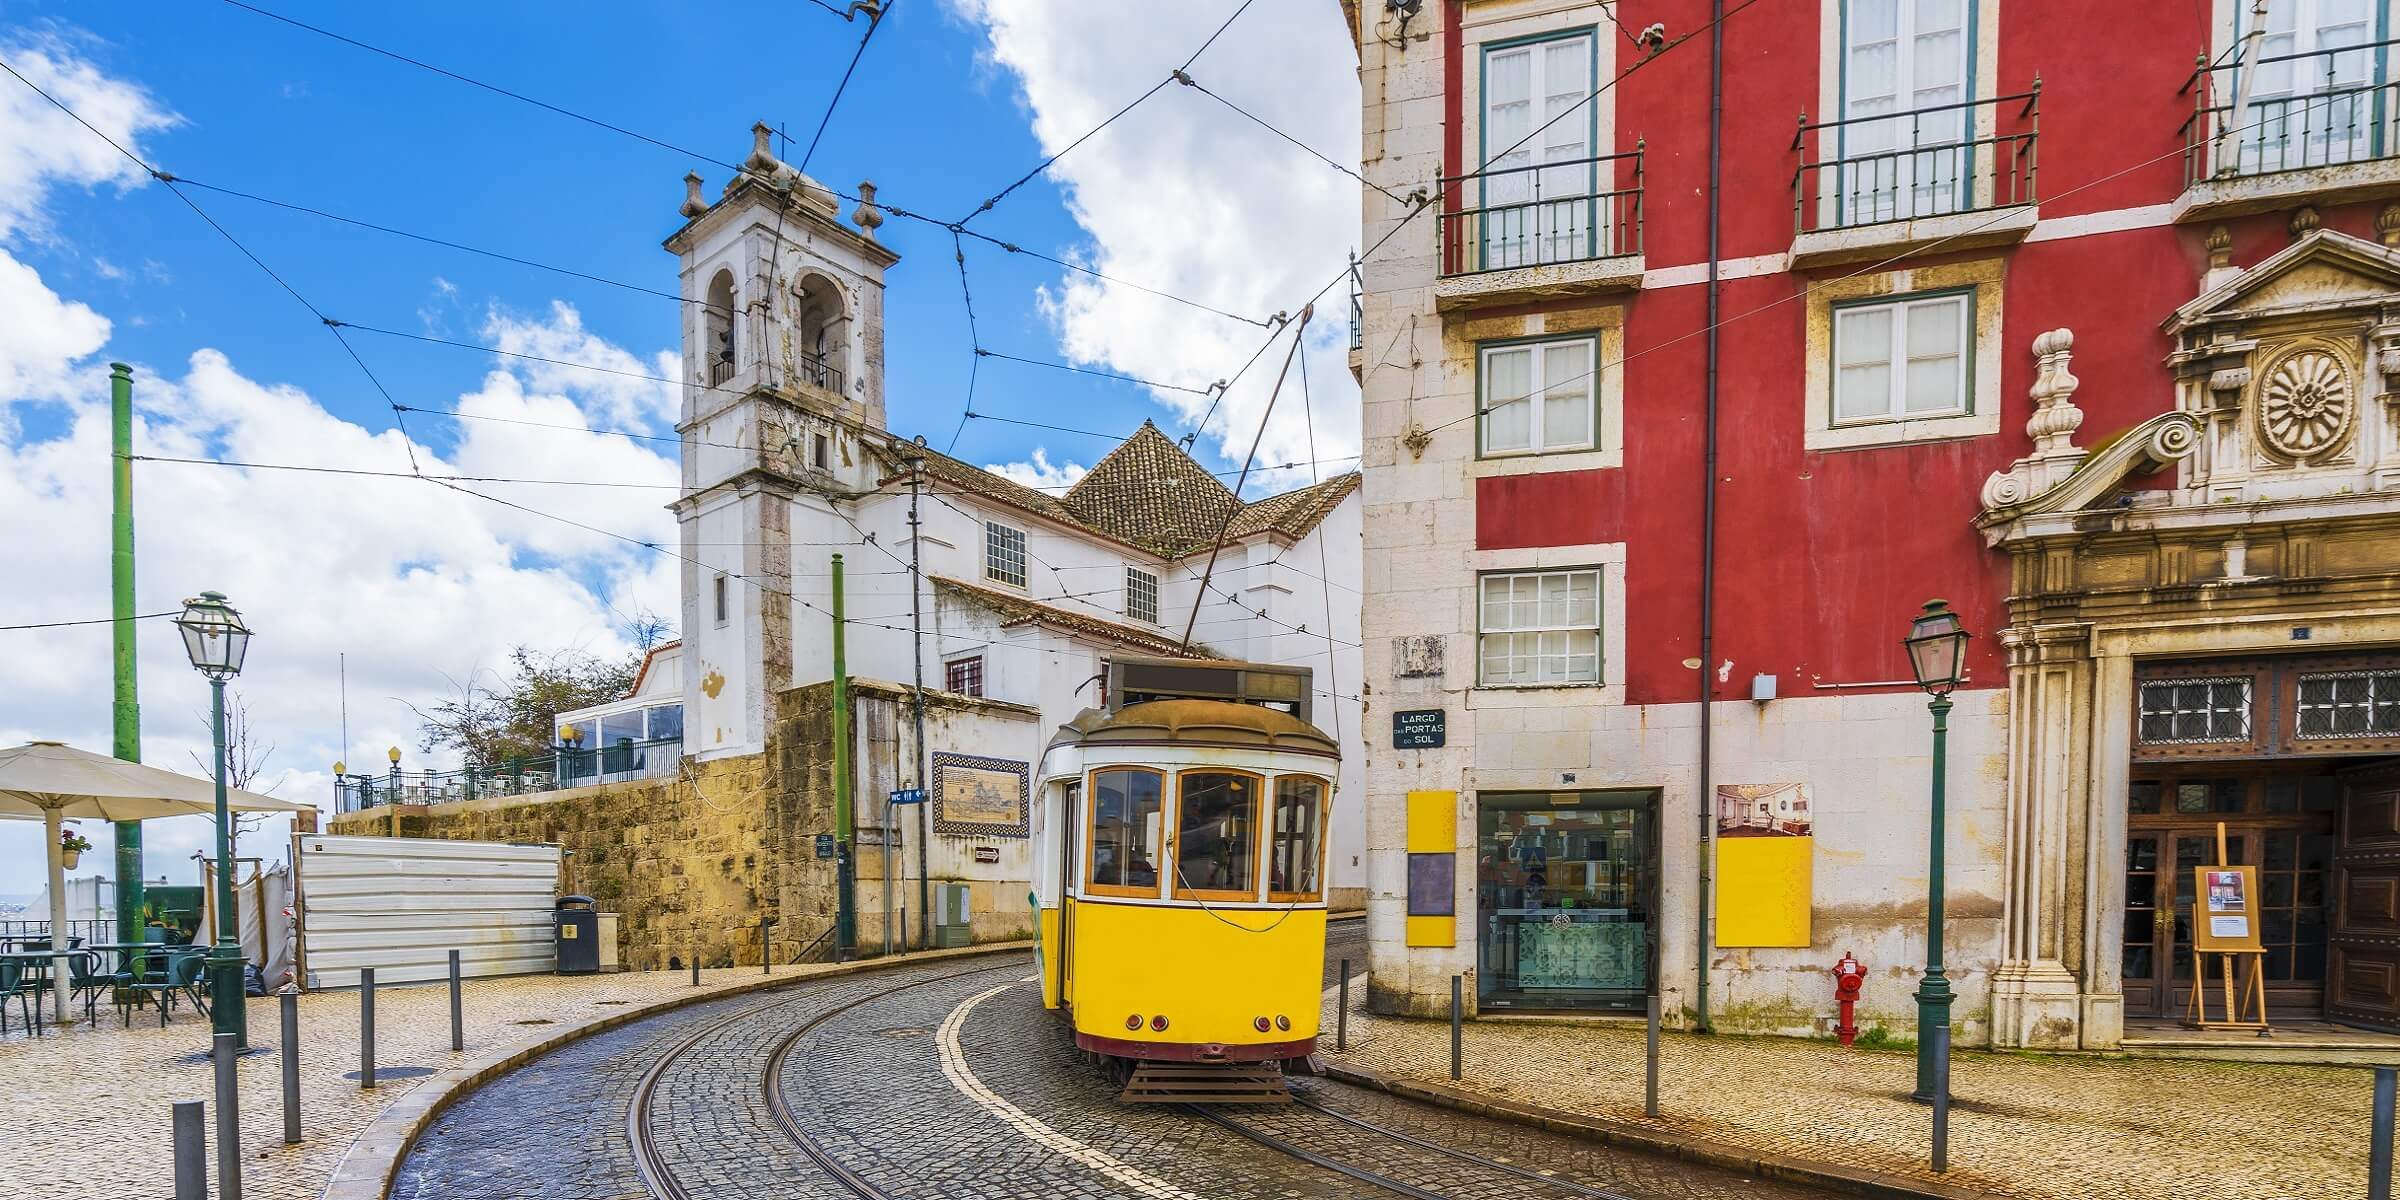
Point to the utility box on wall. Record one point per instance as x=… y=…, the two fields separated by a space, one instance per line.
x=953 y=921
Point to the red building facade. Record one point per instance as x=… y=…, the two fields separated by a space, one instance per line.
x=2079 y=317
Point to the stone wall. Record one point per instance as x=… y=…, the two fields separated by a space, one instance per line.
x=693 y=863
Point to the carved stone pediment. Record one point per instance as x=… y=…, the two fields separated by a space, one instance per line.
x=2291 y=368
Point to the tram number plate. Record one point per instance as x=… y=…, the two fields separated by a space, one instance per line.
x=1420 y=729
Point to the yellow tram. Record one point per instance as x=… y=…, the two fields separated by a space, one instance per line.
x=1180 y=864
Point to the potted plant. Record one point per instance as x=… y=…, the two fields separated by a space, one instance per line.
x=71 y=846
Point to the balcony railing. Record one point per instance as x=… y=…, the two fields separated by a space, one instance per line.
x=817 y=373
x=2320 y=108
x=1545 y=214
x=1358 y=314
x=565 y=767
x=1926 y=162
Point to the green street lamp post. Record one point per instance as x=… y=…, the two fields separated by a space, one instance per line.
x=1937 y=646
x=216 y=640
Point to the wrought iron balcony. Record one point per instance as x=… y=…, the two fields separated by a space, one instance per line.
x=815 y=372
x=2328 y=107
x=1545 y=214
x=1926 y=162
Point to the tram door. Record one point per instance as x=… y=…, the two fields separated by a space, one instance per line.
x=1069 y=870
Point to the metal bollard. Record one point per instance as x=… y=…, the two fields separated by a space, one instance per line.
x=366 y=1027
x=2379 y=1154
x=458 y=1012
x=291 y=1068
x=695 y=968
x=1650 y=1081
x=1941 y=1097
x=191 y=1150
x=1341 y=1011
x=766 y=961
x=229 y=1118
x=1458 y=991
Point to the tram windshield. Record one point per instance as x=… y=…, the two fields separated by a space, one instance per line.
x=1216 y=835
x=1125 y=831
x=1293 y=858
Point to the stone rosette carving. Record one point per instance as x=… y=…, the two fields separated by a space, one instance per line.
x=2307 y=403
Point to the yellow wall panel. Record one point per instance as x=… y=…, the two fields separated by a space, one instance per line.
x=1764 y=890
x=1433 y=931
x=1432 y=822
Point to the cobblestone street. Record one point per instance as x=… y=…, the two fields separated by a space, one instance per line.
x=948 y=1080
x=2041 y=1127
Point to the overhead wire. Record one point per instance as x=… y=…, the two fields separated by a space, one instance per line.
x=314 y=469
x=170 y=183
x=89 y=621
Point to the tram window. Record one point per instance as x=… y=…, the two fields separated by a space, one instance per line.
x=1216 y=843
x=1293 y=858
x=1126 y=819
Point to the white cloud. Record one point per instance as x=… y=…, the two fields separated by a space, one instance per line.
x=1040 y=472
x=1186 y=196
x=627 y=387
x=41 y=146
x=400 y=585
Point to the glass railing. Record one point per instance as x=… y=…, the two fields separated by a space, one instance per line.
x=566 y=767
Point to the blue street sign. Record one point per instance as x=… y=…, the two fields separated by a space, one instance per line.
x=909 y=796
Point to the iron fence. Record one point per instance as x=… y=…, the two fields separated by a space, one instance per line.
x=1543 y=214
x=2327 y=107
x=87 y=931
x=565 y=767
x=1925 y=162
x=817 y=373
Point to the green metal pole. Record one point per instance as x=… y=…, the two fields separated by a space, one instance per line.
x=1933 y=995
x=225 y=962
x=128 y=703
x=845 y=922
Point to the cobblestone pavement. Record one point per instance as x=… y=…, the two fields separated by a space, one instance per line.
x=2040 y=1127
x=958 y=1085
x=88 y=1107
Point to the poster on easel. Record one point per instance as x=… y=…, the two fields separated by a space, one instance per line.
x=2224 y=913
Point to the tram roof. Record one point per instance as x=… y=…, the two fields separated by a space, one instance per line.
x=1196 y=722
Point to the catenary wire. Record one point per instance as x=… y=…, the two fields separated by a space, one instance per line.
x=329 y=323
x=89 y=621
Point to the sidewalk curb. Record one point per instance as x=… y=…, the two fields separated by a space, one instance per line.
x=1847 y=1181
x=368 y=1167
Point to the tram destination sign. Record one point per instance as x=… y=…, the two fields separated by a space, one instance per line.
x=1420 y=728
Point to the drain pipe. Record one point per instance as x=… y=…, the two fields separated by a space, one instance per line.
x=1706 y=800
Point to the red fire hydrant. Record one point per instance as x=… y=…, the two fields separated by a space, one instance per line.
x=1849 y=975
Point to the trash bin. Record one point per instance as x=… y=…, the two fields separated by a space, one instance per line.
x=578 y=926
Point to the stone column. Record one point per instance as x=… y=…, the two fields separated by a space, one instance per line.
x=2035 y=994
x=2103 y=870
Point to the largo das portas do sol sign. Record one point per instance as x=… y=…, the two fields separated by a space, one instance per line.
x=1420 y=728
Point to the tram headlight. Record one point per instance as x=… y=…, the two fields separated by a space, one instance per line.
x=1283 y=1023
x=1134 y=1021
x=1261 y=1024
x=1158 y=1024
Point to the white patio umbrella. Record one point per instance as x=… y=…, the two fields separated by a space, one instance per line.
x=53 y=782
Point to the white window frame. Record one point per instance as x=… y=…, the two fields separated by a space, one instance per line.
x=724 y=609
x=1000 y=555
x=1141 y=584
x=1904 y=310
x=1566 y=676
x=1551 y=215
x=1909 y=145
x=1534 y=349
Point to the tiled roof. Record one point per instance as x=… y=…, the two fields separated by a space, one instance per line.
x=1014 y=609
x=1147 y=492
x=1294 y=513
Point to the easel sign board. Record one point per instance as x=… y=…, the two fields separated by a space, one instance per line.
x=2225 y=910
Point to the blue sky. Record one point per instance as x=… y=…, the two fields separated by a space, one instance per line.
x=284 y=113
x=411 y=592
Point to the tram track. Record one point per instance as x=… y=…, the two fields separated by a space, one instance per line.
x=1287 y=1146
x=660 y=1180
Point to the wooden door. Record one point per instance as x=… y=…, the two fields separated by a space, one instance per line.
x=2363 y=974
x=2149 y=923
